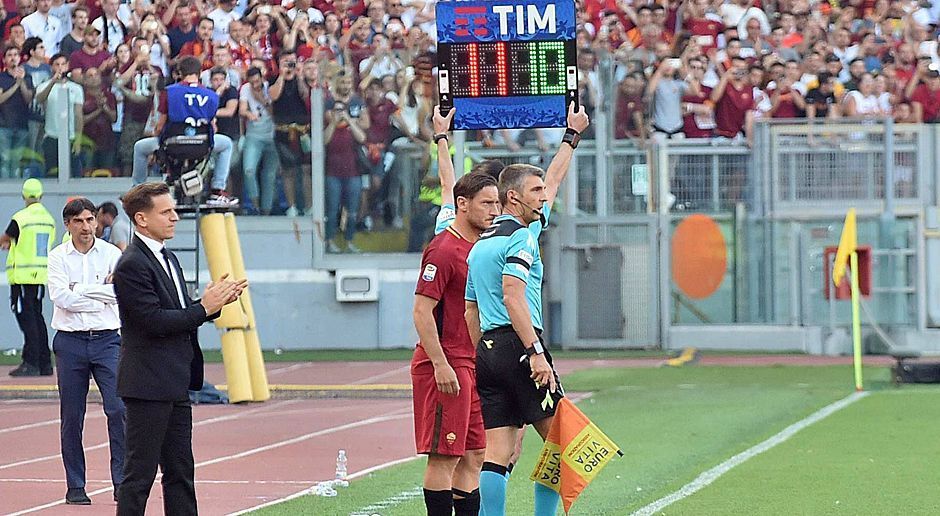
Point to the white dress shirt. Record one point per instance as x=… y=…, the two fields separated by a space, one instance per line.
x=81 y=298
x=45 y=27
x=157 y=249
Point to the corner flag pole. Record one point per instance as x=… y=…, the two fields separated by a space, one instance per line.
x=848 y=252
x=856 y=323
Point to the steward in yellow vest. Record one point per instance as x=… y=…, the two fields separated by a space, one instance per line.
x=29 y=238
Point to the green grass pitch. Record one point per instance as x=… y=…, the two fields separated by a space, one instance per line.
x=877 y=456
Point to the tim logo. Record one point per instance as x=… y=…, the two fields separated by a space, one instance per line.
x=527 y=18
x=470 y=18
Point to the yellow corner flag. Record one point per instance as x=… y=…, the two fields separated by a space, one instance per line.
x=848 y=252
x=847 y=245
x=574 y=453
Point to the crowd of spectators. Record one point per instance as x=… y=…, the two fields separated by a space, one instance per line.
x=668 y=69
x=709 y=69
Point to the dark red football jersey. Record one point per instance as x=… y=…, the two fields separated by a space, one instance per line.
x=444 y=277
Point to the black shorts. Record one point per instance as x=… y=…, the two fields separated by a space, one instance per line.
x=508 y=396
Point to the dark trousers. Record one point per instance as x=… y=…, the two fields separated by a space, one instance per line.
x=50 y=153
x=158 y=433
x=26 y=303
x=76 y=357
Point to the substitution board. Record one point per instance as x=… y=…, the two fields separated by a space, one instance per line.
x=507 y=65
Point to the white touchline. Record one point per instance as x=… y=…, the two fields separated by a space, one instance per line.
x=309 y=490
x=397 y=499
x=391 y=501
x=714 y=473
x=362 y=422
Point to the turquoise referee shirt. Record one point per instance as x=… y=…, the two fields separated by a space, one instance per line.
x=506 y=248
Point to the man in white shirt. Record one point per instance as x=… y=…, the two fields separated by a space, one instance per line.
x=60 y=94
x=43 y=25
x=86 y=343
x=222 y=16
x=382 y=62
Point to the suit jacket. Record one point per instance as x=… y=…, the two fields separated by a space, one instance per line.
x=160 y=355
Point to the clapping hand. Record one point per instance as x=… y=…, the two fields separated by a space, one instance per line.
x=222 y=292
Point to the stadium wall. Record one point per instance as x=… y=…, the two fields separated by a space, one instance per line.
x=295 y=304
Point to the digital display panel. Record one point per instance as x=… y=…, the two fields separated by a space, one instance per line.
x=507 y=65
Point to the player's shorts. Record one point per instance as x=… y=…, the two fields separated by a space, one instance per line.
x=445 y=424
x=508 y=394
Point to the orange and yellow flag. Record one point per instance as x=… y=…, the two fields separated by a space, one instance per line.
x=574 y=453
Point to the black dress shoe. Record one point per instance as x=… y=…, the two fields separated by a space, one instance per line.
x=46 y=371
x=116 y=492
x=26 y=370
x=77 y=496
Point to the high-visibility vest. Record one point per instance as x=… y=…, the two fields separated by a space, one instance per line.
x=432 y=194
x=26 y=261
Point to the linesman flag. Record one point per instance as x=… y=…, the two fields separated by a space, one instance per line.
x=575 y=452
x=847 y=245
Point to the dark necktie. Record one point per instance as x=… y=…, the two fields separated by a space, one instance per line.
x=169 y=271
x=169 y=264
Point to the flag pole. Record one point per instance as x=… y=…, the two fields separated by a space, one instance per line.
x=856 y=322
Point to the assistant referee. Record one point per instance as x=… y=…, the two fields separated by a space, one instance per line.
x=515 y=379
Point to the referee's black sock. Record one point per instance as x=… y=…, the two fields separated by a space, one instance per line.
x=468 y=504
x=509 y=469
x=439 y=503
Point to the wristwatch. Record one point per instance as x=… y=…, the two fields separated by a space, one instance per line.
x=572 y=138
x=535 y=349
x=440 y=136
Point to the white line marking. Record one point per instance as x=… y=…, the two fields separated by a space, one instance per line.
x=304 y=437
x=380 y=376
x=210 y=482
x=105 y=444
x=575 y=398
x=388 y=464
x=363 y=422
x=391 y=501
x=714 y=473
x=46 y=423
x=309 y=490
x=287 y=369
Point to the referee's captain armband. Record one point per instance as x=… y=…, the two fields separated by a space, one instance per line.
x=521 y=253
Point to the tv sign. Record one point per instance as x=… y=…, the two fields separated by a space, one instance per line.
x=507 y=65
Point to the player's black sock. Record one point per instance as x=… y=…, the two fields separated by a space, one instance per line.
x=468 y=504
x=439 y=503
x=509 y=469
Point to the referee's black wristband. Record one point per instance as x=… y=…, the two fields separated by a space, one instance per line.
x=572 y=138
x=440 y=136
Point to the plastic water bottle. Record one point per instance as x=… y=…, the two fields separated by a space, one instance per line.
x=341 y=471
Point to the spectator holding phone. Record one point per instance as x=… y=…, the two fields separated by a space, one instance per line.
x=346 y=122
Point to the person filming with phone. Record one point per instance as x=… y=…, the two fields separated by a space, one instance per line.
x=665 y=90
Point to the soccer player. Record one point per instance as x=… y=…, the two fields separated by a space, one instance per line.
x=515 y=379
x=448 y=421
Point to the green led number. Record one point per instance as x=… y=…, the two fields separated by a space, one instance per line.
x=550 y=67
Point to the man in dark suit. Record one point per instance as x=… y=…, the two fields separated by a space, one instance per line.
x=160 y=356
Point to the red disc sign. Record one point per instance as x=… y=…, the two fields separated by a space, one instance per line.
x=699 y=256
